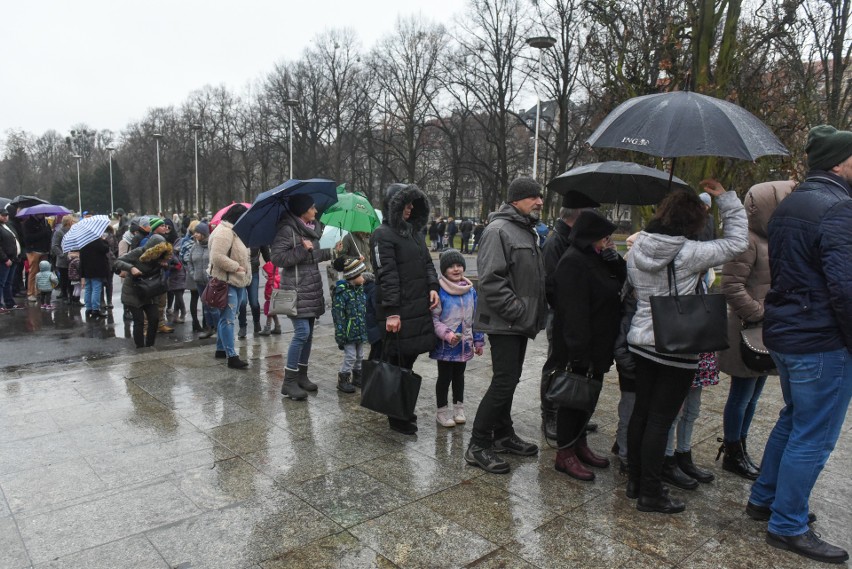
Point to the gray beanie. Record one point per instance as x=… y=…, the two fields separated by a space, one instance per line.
x=522 y=188
x=451 y=257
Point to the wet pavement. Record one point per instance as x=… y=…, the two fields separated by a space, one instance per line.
x=164 y=457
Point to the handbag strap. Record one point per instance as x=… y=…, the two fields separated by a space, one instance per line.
x=398 y=353
x=293 y=231
x=670 y=268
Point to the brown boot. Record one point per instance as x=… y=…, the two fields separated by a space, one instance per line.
x=588 y=456
x=567 y=462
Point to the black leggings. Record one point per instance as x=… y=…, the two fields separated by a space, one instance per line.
x=193 y=305
x=660 y=392
x=450 y=373
x=175 y=301
x=152 y=311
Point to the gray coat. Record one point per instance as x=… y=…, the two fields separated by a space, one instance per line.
x=197 y=262
x=288 y=253
x=511 y=276
x=61 y=259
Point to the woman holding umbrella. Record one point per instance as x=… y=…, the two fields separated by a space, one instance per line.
x=296 y=250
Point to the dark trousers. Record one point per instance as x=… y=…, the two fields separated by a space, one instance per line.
x=193 y=306
x=494 y=415
x=450 y=373
x=571 y=423
x=152 y=312
x=65 y=286
x=660 y=392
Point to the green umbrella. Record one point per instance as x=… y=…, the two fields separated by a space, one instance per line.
x=352 y=212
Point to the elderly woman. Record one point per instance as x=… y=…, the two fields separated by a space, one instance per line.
x=296 y=250
x=588 y=280
x=406 y=282
x=145 y=261
x=230 y=262
x=663 y=380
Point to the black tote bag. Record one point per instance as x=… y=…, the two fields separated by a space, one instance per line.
x=689 y=324
x=389 y=389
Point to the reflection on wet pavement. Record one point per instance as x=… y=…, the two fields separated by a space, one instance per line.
x=166 y=458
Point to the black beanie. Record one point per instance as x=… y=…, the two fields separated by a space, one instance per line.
x=522 y=188
x=827 y=147
x=451 y=257
x=299 y=204
x=590 y=227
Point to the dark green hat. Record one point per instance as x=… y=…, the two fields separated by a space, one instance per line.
x=827 y=147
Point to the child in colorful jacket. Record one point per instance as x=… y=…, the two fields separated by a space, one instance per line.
x=453 y=319
x=349 y=311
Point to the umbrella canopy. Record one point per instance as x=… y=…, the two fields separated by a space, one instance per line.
x=331 y=234
x=216 y=219
x=682 y=123
x=43 y=209
x=616 y=182
x=84 y=232
x=26 y=201
x=352 y=212
x=259 y=224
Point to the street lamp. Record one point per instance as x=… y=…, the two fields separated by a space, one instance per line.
x=540 y=43
x=77 y=157
x=195 y=128
x=290 y=103
x=110 y=149
x=157 y=137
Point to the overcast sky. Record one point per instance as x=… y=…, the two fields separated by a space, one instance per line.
x=105 y=62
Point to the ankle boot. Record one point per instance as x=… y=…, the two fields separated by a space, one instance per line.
x=257 y=327
x=588 y=456
x=356 y=378
x=235 y=362
x=674 y=475
x=344 y=383
x=735 y=461
x=291 y=388
x=684 y=461
x=267 y=330
x=567 y=462
x=303 y=380
x=548 y=423
x=663 y=504
x=747 y=456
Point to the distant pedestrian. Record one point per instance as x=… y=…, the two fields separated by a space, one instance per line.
x=452 y=231
x=477 y=235
x=466 y=230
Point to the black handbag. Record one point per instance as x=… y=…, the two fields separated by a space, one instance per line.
x=150 y=286
x=389 y=389
x=689 y=324
x=754 y=353
x=573 y=391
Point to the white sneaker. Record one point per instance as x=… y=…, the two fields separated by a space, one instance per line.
x=31 y=298
x=458 y=413
x=444 y=418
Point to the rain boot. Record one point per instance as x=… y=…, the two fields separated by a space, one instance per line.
x=291 y=388
x=675 y=476
x=303 y=380
x=567 y=462
x=684 y=461
x=735 y=460
x=356 y=378
x=344 y=382
x=588 y=456
x=267 y=330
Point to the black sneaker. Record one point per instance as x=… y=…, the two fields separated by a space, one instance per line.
x=485 y=459
x=515 y=445
x=808 y=545
x=762 y=513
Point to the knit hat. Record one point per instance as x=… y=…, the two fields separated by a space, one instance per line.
x=590 y=227
x=706 y=198
x=203 y=229
x=523 y=187
x=451 y=257
x=351 y=267
x=827 y=147
x=299 y=204
x=154 y=223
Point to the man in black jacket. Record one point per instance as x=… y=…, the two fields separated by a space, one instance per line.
x=37 y=235
x=466 y=228
x=10 y=252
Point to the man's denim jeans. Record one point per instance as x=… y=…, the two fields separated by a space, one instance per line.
x=817 y=389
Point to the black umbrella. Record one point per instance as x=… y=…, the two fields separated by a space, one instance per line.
x=682 y=123
x=616 y=182
x=3 y=202
x=26 y=201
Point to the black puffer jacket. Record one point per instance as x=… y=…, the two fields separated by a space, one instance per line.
x=288 y=253
x=404 y=270
x=94 y=260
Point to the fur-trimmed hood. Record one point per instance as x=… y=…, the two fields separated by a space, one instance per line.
x=396 y=196
x=157 y=252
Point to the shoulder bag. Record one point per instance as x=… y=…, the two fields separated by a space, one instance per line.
x=754 y=353
x=215 y=294
x=150 y=286
x=284 y=301
x=689 y=324
x=573 y=391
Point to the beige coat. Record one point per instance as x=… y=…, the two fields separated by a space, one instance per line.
x=227 y=254
x=746 y=279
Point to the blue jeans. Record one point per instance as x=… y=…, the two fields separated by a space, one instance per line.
x=685 y=423
x=211 y=315
x=93 y=294
x=817 y=389
x=228 y=319
x=6 y=278
x=299 y=351
x=742 y=402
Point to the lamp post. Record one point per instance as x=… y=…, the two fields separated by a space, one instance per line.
x=540 y=43
x=195 y=128
x=157 y=137
x=111 y=149
x=290 y=103
x=77 y=157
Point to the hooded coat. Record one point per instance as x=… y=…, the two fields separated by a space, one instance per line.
x=648 y=274
x=287 y=252
x=746 y=279
x=404 y=271
x=147 y=259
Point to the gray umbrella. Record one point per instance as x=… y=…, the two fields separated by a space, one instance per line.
x=682 y=123
x=617 y=183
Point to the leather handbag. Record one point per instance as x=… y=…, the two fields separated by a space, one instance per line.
x=283 y=301
x=573 y=391
x=389 y=389
x=215 y=294
x=151 y=286
x=754 y=353
x=689 y=324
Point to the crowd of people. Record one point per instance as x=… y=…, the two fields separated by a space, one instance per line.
x=784 y=253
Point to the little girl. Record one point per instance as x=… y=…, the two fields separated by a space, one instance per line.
x=453 y=319
x=273 y=280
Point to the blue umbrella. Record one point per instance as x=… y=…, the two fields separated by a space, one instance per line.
x=84 y=232
x=258 y=226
